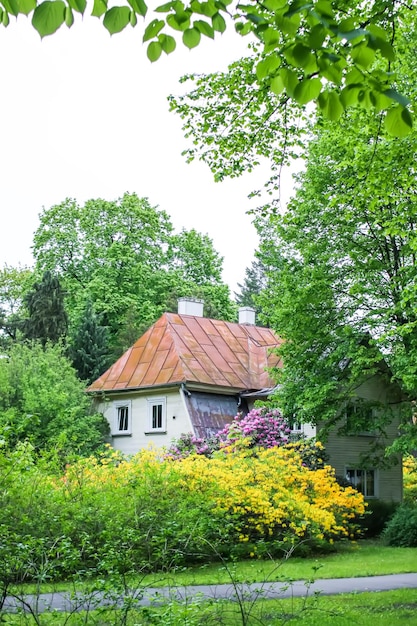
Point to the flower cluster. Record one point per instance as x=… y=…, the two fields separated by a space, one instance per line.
x=265 y=428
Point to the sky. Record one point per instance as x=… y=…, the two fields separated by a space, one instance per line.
x=85 y=115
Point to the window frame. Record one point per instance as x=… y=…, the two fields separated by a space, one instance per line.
x=365 y=471
x=117 y=405
x=152 y=403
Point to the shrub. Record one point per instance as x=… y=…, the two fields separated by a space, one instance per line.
x=263 y=428
x=378 y=513
x=401 y=530
x=410 y=480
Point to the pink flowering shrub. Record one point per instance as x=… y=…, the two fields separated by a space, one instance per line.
x=264 y=428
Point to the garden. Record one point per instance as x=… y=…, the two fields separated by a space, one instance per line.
x=109 y=527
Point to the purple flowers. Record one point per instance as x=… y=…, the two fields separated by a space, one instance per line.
x=262 y=427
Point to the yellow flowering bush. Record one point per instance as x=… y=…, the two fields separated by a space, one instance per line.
x=112 y=514
x=271 y=495
x=410 y=480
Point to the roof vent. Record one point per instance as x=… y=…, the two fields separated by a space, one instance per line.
x=247 y=315
x=190 y=306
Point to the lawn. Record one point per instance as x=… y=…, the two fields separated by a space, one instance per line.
x=364 y=558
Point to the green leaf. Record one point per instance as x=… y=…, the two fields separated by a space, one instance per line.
x=290 y=80
x=133 y=19
x=26 y=6
x=386 y=49
x=362 y=55
x=352 y=34
x=152 y=29
x=48 y=17
x=168 y=43
x=205 y=28
x=349 y=95
x=116 y=19
x=154 y=51
x=165 y=8
x=302 y=55
x=11 y=6
x=78 y=5
x=218 y=23
x=205 y=8
x=69 y=16
x=354 y=77
x=398 y=122
x=179 y=21
x=277 y=85
x=324 y=7
x=398 y=97
x=316 y=37
x=139 y=6
x=267 y=66
x=5 y=20
x=191 y=37
x=330 y=105
x=307 y=90
x=99 y=7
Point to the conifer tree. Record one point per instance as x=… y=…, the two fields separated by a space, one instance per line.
x=89 y=347
x=48 y=320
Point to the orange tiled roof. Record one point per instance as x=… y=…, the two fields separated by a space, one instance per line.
x=188 y=349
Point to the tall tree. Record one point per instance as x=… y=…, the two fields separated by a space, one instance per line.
x=89 y=346
x=125 y=257
x=313 y=51
x=254 y=282
x=343 y=291
x=47 y=318
x=14 y=283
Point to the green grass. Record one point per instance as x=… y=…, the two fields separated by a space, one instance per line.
x=365 y=558
x=390 y=608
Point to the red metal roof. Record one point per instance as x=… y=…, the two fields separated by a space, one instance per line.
x=188 y=349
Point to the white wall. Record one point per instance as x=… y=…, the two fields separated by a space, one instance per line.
x=177 y=420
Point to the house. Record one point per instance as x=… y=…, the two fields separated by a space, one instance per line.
x=188 y=373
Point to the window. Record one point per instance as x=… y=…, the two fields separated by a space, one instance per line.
x=122 y=424
x=363 y=480
x=157 y=415
x=360 y=418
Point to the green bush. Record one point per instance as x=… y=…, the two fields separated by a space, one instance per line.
x=401 y=530
x=378 y=514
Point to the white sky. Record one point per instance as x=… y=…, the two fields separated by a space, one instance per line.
x=85 y=115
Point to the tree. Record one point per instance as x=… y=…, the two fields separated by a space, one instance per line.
x=124 y=257
x=89 y=346
x=14 y=283
x=254 y=282
x=42 y=400
x=343 y=289
x=48 y=320
x=334 y=55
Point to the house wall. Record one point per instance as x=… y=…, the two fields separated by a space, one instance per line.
x=346 y=451
x=141 y=436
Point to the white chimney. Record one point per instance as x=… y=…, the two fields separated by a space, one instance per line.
x=247 y=315
x=190 y=306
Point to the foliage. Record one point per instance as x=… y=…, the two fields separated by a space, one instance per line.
x=264 y=428
x=124 y=257
x=41 y=399
x=337 y=56
x=47 y=318
x=377 y=516
x=341 y=275
x=410 y=480
x=14 y=283
x=254 y=282
x=88 y=348
x=401 y=530
x=113 y=515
